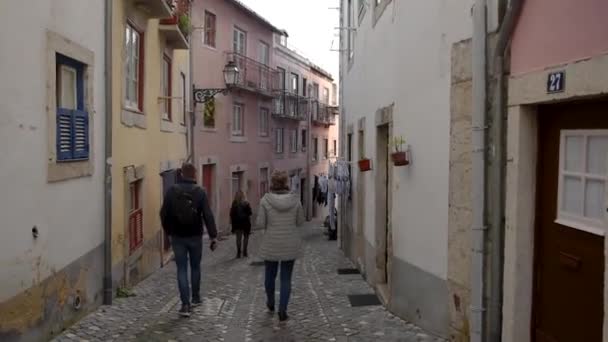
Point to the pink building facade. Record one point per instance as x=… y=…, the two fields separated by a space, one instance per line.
x=556 y=195
x=260 y=124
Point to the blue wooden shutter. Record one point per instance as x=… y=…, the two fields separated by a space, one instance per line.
x=80 y=137
x=64 y=134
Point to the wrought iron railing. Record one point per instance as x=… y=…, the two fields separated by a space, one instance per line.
x=322 y=114
x=291 y=106
x=253 y=75
x=180 y=16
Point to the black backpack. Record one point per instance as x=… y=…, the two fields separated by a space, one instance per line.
x=184 y=208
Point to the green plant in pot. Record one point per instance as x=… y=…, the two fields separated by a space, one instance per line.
x=184 y=24
x=399 y=157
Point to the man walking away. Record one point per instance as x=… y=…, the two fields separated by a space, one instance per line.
x=184 y=209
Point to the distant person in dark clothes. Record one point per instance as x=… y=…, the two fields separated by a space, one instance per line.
x=240 y=219
x=185 y=209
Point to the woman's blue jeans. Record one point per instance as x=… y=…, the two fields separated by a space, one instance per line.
x=272 y=268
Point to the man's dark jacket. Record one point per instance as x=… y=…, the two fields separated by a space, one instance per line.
x=169 y=221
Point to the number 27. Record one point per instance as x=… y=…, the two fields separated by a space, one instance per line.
x=555 y=82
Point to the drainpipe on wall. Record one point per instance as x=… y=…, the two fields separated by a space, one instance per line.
x=309 y=181
x=497 y=176
x=478 y=138
x=107 y=269
x=191 y=105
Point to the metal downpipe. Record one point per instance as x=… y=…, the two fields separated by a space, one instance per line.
x=107 y=269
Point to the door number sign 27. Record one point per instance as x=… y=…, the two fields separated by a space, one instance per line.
x=556 y=82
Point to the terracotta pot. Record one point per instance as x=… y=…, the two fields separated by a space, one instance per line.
x=170 y=21
x=365 y=165
x=399 y=158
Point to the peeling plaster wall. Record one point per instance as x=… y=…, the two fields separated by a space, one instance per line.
x=39 y=276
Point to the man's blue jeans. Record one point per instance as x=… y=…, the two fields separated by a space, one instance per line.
x=188 y=248
x=272 y=268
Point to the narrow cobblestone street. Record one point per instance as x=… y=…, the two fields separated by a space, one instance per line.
x=233 y=307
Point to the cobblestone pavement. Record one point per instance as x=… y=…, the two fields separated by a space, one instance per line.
x=233 y=306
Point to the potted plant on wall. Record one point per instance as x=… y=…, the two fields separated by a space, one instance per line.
x=365 y=164
x=399 y=157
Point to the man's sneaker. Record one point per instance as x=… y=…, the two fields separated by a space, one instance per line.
x=185 y=311
x=196 y=302
x=283 y=316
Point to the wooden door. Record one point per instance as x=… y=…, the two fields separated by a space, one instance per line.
x=208 y=178
x=569 y=240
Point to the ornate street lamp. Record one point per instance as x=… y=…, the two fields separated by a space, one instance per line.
x=231 y=77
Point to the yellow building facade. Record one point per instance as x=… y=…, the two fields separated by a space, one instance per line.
x=150 y=87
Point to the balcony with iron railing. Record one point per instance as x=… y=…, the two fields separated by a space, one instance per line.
x=155 y=8
x=176 y=27
x=323 y=114
x=254 y=76
x=292 y=106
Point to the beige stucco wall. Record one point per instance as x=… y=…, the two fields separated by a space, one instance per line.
x=460 y=202
x=150 y=147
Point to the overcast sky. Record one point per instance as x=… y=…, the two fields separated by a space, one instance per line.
x=310 y=24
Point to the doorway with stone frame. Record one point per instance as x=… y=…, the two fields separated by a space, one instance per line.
x=383 y=200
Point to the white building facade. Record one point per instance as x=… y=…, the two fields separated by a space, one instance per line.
x=52 y=154
x=395 y=83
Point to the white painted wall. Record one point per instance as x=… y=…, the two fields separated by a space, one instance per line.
x=405 y=59
x=68 y=214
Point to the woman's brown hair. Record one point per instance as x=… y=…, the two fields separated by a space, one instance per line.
x=279 y=181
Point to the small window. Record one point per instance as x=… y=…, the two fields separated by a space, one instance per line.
x=325 y=148
x=315 y=149
x=239 y=43
x=210 y=29
x=72 y=135
x=304 y=140
x=304 y=84
x=264 y=54
x=166 y=88
x=279 y=140
x=209 y=114
x=293 y=141
x=325 y=95
x=282 y=76
x=264 y=120
x=295 y=83
x=134 y=68
x=237 y=120
x=136 y=231
x=183 y=105
x=583 y=176
x=315 y=90
x=335 y=147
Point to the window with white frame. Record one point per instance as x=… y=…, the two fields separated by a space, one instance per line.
x=315 y=149
x=303 y=140
x=293 y=140
x=583 y=175
x=325 y=148
x=237 y=120
x=166 y=88
x=279 y=140
x=264 y=121
x=239 y=41
x=133 y=68
x=326 y=95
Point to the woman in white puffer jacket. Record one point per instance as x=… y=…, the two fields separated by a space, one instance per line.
x=280 y=215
